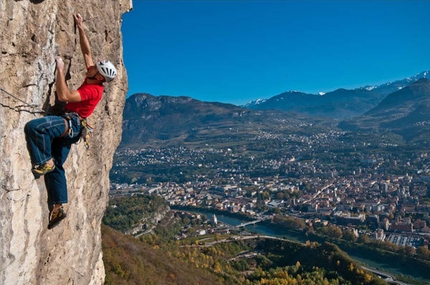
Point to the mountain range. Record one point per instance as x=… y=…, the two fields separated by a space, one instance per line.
x=401 y=107
x=153 y=120
x=405 y=112
x=340 y=104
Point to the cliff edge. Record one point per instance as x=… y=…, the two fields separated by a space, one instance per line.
x=32 y=33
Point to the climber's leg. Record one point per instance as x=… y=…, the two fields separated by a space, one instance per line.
x=39 y=134
x=55 y=181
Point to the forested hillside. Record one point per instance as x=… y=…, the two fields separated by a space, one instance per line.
x=132 y=261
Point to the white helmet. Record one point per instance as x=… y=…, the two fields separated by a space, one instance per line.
x=106 y=68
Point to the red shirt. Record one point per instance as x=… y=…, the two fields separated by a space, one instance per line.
x=91 y=94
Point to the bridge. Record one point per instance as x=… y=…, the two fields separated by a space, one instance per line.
x=252 y=222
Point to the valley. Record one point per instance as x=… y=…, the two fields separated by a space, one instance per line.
x=359 y=182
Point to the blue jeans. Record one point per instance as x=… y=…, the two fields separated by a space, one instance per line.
x=45 y=142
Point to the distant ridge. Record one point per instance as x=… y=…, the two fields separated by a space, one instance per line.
x=164 y=119
x=155 y=120
x=405 y=112
x=340 y=104
x=149 y=117
x=394 y=86
x=159 y=120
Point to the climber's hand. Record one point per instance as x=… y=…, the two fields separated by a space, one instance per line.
x=78 y=19
x=60 y=63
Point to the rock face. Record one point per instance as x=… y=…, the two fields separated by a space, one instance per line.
x=32 y=32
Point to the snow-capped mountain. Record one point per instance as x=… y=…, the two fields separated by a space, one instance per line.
x=394 y=86
x=254 y=102
x=385 y=88
x=341 y=103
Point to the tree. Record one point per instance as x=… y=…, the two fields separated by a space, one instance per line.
x=363 y=239
x=407 y=250
x=334 y=232
x=349 y=235
x=185 y=220
x=423 y=252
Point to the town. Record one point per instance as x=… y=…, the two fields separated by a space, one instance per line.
x=374 y=187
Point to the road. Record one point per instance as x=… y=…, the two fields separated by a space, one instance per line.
x=387 y=277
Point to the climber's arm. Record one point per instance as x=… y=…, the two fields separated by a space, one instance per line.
x=84 y=42
x=64 y=94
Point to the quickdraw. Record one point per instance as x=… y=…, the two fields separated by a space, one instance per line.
x=86 y=132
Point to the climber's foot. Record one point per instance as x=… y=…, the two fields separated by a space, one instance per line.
x=43 y=169
x=56 y=216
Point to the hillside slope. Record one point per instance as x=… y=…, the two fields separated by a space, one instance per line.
x=156 y=120
x=130 y=261
x=405 y=112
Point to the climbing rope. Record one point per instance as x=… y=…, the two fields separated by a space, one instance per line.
x=18 y=108
x=86 y=128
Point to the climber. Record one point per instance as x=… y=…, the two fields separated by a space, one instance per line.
x=50 y=138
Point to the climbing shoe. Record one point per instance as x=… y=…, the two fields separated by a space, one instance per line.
x=56 y=217
x=43 y=169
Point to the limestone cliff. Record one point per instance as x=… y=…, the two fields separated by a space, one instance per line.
x=32 y=32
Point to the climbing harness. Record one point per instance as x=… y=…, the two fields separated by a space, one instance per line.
x=86 y=129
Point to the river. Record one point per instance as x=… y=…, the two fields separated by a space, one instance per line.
x=260 y=228
x=276 y=231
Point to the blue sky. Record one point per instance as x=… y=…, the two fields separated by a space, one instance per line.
x=242 y=50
